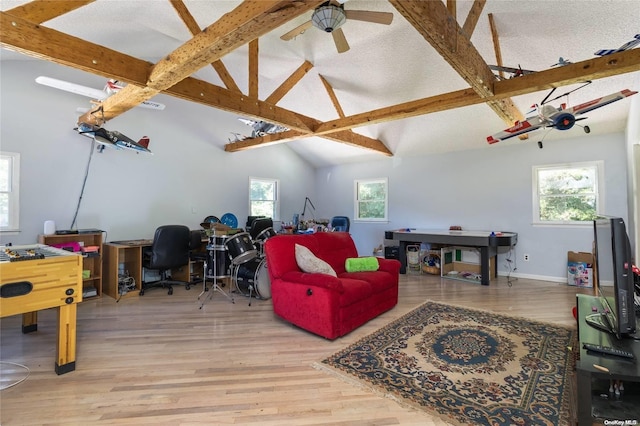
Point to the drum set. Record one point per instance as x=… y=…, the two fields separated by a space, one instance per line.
x=239 y=257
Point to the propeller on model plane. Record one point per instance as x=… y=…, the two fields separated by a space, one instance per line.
x=561 y=118
x=112 y=138
x=112 y=86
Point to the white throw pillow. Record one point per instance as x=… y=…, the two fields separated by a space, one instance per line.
x=308 y=262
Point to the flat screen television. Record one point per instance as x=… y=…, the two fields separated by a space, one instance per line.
x=613 y=259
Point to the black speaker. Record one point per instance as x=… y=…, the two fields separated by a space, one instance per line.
x=16 y=289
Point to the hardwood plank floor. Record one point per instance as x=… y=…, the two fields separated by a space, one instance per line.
x=159 y=359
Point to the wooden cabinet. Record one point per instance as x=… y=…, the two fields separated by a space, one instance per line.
x=91 y=259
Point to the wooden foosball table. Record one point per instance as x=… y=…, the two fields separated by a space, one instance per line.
x=39 y=277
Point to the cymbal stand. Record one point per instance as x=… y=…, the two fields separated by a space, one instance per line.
x=214 y=286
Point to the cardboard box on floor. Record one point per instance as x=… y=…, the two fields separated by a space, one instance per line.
x=580 y=267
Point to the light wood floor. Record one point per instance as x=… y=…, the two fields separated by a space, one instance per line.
x=158 y=359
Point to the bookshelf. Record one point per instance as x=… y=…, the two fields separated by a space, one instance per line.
x=91 y=260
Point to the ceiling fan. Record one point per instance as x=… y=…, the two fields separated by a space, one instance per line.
x=330 y=16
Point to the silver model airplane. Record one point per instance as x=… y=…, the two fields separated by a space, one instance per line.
x=113 y=139
x=262 y=128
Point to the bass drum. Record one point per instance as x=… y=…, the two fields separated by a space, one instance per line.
x=253 y=274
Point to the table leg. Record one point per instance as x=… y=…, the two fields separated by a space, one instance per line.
x=485 y=258
x=402 y=256
x=66 y=351
x=29 y=322
x=583 y=385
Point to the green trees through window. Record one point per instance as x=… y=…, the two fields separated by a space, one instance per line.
x=371 y=199
x=567 y=193
x=263 y=197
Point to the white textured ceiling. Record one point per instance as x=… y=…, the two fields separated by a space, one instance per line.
x=385 y=66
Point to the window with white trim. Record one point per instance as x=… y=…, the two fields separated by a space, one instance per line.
x=371 y=200
x=9 y=191
x=565 y=194
x=264 y=197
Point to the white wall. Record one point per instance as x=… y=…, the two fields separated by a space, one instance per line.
x=188 y=178
x=488 y=189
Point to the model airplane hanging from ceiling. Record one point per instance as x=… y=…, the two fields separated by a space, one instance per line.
x=112 y=86
x=515 y=72
x=561 y=118
x=628 y=45
x=112 y=138
x=262 y=128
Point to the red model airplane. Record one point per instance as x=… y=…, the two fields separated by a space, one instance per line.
x=561 y=118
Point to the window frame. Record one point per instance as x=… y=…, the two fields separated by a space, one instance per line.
x=598 y=167
x=13 y=192
x=356 y=201
x=276 y=201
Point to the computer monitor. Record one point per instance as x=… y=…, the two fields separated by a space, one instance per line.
x=613 y=268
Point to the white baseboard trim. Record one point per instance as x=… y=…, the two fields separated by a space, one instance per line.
x=534 y=277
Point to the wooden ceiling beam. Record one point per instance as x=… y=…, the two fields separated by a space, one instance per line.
x=496 y=44
x=254 y=50
x=578 y=72
x=40 y=11
x=248 y=21
x=472 y=18
x=591 y=69
x=332 y=96
x=194 y=29
x=266 y=140
x=433 y=21
x=289 y=83
x=44 y=43
x=37 y=41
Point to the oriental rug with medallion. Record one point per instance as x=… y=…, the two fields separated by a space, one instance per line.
x=466 y=366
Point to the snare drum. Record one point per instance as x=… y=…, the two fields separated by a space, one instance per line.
x=240 y=248
x=253 y=274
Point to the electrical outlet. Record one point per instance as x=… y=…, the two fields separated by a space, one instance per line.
x=526 y=257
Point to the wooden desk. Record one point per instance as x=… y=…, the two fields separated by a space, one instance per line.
x=484 y=240
x=618 y=368
x=129 y=253
x=55 y=281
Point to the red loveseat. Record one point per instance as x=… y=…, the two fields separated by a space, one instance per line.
x=320 y=303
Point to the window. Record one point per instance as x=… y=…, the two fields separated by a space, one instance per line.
x=371 y=199
x=263 y=197
x=9 y=191
x=567 y=193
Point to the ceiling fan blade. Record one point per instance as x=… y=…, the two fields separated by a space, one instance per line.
x=296 y=31
x=340 y=40
x=369 y=16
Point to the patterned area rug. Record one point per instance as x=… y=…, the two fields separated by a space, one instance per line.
x=466 y=366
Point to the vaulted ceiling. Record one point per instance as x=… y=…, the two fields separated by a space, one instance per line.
x=418 y=85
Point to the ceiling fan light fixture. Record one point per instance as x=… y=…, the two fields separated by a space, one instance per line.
x=328 y=18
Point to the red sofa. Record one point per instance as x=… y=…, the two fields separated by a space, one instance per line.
x=322 y=304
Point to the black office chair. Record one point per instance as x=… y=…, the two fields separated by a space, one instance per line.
x=340 y=223
x=259 y=225
x=170 y=249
